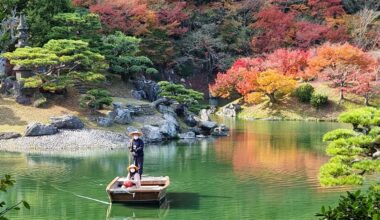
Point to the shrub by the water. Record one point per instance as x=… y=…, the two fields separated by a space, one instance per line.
x=356 y=205
x=319 y=100
x=304 y=92
x=96 y=99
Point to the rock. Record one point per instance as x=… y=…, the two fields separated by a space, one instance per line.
x=190 y=120
x=230 y=110
x=38 y=129
x=164 y=101
x=23 y=100
x=221 y=130
x=123 y=116
x=138 y=94
x=131 y=129
x=150 y=87
x=67 y=122
x=207 y=125
x=9 y=135
x=40 y=102
x=117 y=105
x=168 y=130
x=112 y=115
x=196 y=130
x=179 y=109
x=171 y=119
x=151 y=133
x=204 y=115
x=7 y=85
x=105 y=121
x=187 y=135
x=166 y=109
x=170 y=127
x=201 y=136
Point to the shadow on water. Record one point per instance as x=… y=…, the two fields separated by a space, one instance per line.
x=174 y=200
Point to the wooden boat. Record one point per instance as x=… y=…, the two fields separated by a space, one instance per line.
x=152 y=189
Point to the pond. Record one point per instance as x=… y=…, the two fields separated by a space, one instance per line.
x=263 y=170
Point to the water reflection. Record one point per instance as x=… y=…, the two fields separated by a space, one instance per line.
x=264 y=170
x=274 y=152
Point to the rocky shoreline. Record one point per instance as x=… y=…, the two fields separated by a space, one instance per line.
x=67 y=141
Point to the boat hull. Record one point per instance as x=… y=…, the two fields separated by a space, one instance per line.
x=152 y=190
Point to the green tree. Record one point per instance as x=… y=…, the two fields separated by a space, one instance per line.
x=79 y=25
x=179 y=93
x=58 y=63
x=96 y=99
x=6 y=183
x=354 y=152
x=121 y=52
x=40 y=15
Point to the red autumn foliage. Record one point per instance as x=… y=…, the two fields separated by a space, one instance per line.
x=131 y=17
x=277 y=29
x=238 y=79
x=341 y=65
x=171 y=17
x=326 y=8
x=290 y=62
x=364 y=84
x=309 y=34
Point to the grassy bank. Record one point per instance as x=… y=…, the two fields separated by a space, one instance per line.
x=291 y=109
x=15 y=117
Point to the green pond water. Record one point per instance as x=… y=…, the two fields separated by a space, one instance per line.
x=264 y=170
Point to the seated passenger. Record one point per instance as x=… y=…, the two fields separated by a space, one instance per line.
x=133 y=178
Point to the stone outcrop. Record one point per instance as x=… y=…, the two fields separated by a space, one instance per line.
x=67 y=122
x=187 y=135
x=151 y=134
x=38 y=129
x=104 y=121
x=9 y=135
x=148 y=89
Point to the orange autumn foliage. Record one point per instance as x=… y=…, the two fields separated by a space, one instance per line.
x=337 y=63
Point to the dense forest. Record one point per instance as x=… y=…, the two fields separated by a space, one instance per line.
x=174 y=40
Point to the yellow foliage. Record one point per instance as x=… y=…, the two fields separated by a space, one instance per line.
x=254 y=98
x=271 y=81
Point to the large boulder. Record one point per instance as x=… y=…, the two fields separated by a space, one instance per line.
x=105 y=121
x=208 y=124
x=168 y=130
x=38 y=129
x=67 y=122
x=23 y=100
x=138 y=94
x=164 y=109
x=123 y=116
x=171 y=119
x=190 y=119
x=151 y=133
x=150 y=88
x=7 y=86
x=187 y=135
x=9 y=135
x=170 y=127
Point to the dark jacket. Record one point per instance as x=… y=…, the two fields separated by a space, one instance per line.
x=138 y=148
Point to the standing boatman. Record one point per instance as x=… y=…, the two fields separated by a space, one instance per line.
x=136 y=147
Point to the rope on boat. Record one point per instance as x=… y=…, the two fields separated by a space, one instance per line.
x=80 y=196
